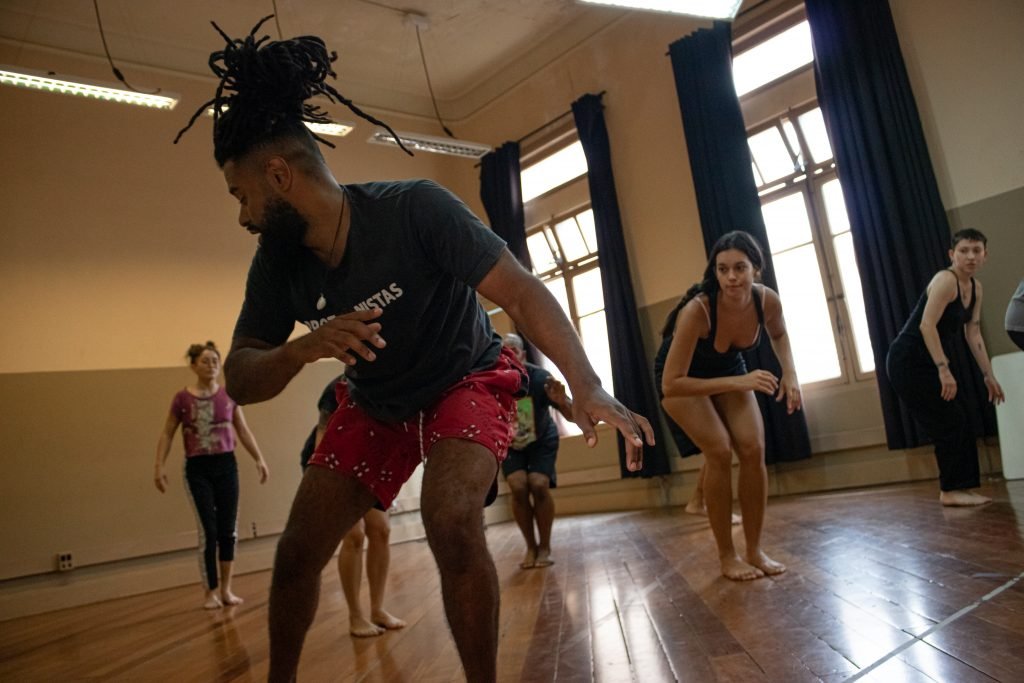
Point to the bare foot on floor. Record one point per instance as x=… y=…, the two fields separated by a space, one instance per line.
x=387 y=621
x=361 y=628
x=212 y=601
x=530 y=561
x=695 y=509
x=229 y=598
x=962 y=499
x=766 y=564
x=737 y=570
x=543 y=558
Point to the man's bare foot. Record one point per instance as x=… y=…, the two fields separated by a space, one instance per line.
x=361 y=628
x=737 y=570
x=766 y=564
x=695 y=509
x=543 y=558
x=212 y=601
x=962 y=498
x=229 y=598
x=387 y=621
x=530 y=560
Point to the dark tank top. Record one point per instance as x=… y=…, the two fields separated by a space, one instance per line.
x=707 y=361
x=953 y=319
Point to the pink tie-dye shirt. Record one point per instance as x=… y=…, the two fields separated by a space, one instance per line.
x=206 y=423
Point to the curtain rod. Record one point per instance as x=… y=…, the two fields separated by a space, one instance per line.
x=543 y=126
x=551 y=122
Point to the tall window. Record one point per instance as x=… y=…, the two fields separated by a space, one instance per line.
x=809 y=238
x=562 y=242
x=804 y=213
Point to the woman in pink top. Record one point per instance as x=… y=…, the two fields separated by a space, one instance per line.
x=210 y=420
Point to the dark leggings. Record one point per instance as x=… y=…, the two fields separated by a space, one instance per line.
x=213 y=487
x=916 y=380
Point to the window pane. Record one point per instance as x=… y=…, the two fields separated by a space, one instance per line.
x=571 y=240
x=594 y=335
x=813 y=126
x=586 y=287
x=807 y=316
x=552 y=171
x=854 y=295
x=835 y=207
x=540 y=253
x=586 y=219
x=771 y=155
x=556 y=286
x=787 y=223
x=774 y=58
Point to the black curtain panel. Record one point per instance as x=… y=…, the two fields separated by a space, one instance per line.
x=634 y=384
x=727 y=197
x=502 y=195
x=899 y=227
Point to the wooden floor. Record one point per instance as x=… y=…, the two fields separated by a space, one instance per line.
x=883 y=585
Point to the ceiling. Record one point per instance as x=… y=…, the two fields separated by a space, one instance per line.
x=475 y=49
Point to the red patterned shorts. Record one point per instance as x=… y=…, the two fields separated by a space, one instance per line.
x=480 y=407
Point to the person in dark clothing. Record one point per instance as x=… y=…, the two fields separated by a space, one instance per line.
x=530 y=466
x=920 y=373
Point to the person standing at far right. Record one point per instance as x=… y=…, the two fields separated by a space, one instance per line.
x=919 y=371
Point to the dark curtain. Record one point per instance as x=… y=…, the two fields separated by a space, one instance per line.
x=634 y=384
x=900 y=231
x=502 y=195
x=727 y=197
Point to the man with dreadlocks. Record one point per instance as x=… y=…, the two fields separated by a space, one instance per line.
x=358 y=264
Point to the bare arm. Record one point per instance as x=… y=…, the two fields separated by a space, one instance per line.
x=249 y=441
x=555 y=391
x=941 y=290
x=690 y=326
x=529 y=303
x=775 y=326
x=972 y=332
x=256 y=371
x=163 y=449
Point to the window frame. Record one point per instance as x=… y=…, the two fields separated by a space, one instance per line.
x=808 y=181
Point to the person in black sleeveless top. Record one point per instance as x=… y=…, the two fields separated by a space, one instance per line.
x=918 y=366
x=710 y=394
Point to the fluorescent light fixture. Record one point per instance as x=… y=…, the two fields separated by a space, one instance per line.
x=338 y=129
x=429 y=143
x=712 y=9
x=49 y=82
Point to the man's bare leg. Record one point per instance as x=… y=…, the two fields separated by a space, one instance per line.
x=378 y=558
x=456 y=478
x=350 y=572
x=544 y=513
x=325 y=507
x=523 y=513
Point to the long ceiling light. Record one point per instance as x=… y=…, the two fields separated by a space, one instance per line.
x=712 y=9
x=430 y=143
x=48 y=82
x=338 y=129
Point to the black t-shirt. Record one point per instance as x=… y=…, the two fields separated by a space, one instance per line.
x=535 y=422
x=416 y=251
x=328 y=403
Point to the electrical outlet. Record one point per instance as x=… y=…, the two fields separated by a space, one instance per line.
x=254 y=534
x=65 y=562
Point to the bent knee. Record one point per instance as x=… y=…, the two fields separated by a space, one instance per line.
x=751 y=452
x=718 y=457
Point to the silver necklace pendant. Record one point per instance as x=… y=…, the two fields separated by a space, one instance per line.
x=321 y=303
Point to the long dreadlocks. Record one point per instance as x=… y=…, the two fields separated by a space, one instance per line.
x=263 y=92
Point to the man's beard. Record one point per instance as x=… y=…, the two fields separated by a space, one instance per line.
x=282 y=230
